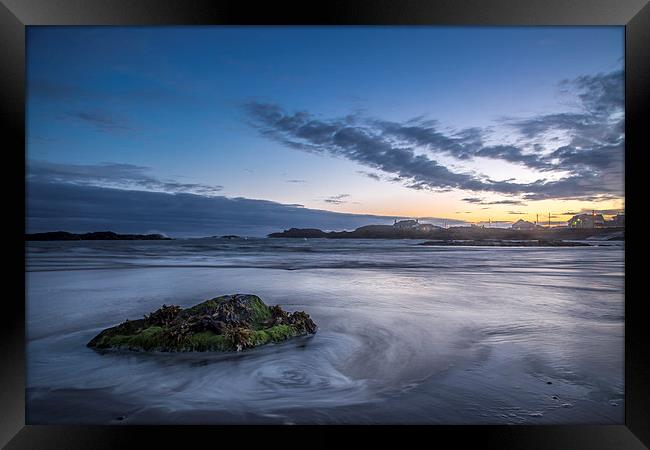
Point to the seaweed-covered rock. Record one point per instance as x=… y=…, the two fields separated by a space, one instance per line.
x=163 y=316
x=226 y=323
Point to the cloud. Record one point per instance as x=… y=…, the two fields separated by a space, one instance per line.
x=475 y=200
x=513 y=154
x=595 y=133
x=607 y=212
x=83 y=208
x=506 y=202
x=374 y=176
x=122 y=176
x=337 y=199
x=479 y=201
x=590 y=166
x=296 y=181
x=602 y=94
x=517 y=212
x=124 y=198
x=345 y=138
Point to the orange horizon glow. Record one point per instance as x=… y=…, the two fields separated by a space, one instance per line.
x=559 y=210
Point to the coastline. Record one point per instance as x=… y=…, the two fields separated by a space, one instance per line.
x=93 y=236
x=459 y=234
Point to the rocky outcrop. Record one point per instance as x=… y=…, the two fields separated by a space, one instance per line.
x=226 y=323
x=299 y=233
x=94 y=236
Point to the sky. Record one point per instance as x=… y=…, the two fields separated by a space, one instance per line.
x=193 y=131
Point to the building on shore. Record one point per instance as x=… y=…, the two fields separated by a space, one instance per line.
x=406 y=224
x=426 y=227
x=414 y=225
x=592 y=220
x=523 y=225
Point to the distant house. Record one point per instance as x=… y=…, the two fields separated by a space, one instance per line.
x=523 y=225
x=414 y=225
x=586 y=221
x=426 y=227
x=406 y=224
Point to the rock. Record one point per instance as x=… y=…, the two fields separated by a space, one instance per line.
x=226 y=323
x=94 y=236
x=162 y=317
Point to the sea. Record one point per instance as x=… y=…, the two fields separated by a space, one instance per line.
x=407 y=334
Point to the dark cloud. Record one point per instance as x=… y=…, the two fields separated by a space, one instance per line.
x=337 y=199
x=123 y=198
x=123 y=176
x=480 y=201
x=599 y=98
x=607 y=212
x=505 y=202
x=602 y=94
x=596 y=133
x=514 y=154
x=296 y=181
x=374 y=176
x=593 y=158
x=83 y=208
x=538 y=125
x=345 y=138
x=423 y=133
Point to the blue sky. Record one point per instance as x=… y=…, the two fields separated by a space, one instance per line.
x=513 y=116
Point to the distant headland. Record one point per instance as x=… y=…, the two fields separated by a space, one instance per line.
x=411 y=229
x=94 y=236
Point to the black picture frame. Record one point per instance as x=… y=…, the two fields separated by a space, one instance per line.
x=15 y=15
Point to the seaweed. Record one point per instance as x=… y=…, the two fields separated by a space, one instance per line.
x=226 y=323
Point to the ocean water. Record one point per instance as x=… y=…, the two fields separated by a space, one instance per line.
x=407 y=334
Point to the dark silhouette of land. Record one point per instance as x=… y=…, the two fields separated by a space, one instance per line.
x=94 y=236
x=457 y=233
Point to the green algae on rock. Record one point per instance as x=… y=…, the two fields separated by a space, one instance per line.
x=226 y=323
